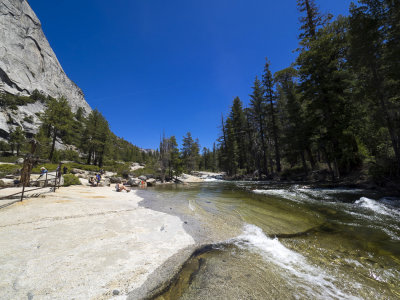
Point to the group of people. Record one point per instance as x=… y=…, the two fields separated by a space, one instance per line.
x=95 y=181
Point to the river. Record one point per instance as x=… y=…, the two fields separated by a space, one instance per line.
x=285 y=241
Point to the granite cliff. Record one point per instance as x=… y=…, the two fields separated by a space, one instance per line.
x=28 y=63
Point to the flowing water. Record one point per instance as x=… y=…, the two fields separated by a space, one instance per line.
x=288 y=242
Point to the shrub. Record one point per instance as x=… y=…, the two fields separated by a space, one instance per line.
x=8 y=169
x=8 y=159
x=28 y=119
x=52 y=167
x=82 y=167
x=70 y=179
x=13 y=101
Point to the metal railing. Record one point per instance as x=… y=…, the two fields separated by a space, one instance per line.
x=57 y=180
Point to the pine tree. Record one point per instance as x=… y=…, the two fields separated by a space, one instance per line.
x=175 y=160
x=190 y=152
x=326 y=85
x=239 y=129
x=296 y=137
x=257 y=113
x=268 y=82
x=374 y=53
x=164 y=158
x=96 y=138
x=57 y=119
x=17 y=139
x=312 y=20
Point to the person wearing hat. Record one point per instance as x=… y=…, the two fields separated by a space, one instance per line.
x=43 y=171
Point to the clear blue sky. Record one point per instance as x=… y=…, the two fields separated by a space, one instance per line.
x=153 y=65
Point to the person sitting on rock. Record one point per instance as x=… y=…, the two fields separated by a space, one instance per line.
x=17 y=181
x=92 y=182
x=119 y=187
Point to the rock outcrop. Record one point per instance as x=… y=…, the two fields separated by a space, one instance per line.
x=28 y=63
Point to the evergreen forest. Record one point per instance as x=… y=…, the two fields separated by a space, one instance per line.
x=336 y=109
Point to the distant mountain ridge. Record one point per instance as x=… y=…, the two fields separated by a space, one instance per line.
x=28 y=63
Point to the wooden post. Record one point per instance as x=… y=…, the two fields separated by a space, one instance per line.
x=23 y=190
x=55 y=182
x=45 y=183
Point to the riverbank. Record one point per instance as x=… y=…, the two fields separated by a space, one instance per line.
x=357 y=180
x=85 y=243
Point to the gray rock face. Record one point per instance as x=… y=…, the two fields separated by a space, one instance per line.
x=28 y=63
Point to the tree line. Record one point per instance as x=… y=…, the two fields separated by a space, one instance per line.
x=336 y=107
x=88 y=138
x=173 y=161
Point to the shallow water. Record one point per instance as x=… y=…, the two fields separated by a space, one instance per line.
x=289 y=242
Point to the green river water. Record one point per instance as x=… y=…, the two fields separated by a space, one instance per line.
x=286 y=241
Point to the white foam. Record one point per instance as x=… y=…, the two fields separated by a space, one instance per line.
x=254 y=239
x=191 y=207
x=282 y=193
x=211 y=179
x=353 y=262
x=376 y=207
x=296 y=193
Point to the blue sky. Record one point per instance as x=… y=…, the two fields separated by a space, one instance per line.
x=175 y=66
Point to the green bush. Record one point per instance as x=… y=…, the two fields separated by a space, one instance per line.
x=8 y=169
x=82 y=167
x=70 y=179
x=9 y=159
x=13 y=101
x=28 y=119
x=52 y=167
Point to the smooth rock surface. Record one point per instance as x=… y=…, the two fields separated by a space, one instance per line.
x=83 y=243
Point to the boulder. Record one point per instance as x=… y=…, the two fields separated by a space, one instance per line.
x=105 y=182
x=84 y=181
x=115 y=179
x=150 y=176
x=77 y=171
x=109 y=174
x=6 y=182
x=19 y=161
x=151 y=182
x=134 y=182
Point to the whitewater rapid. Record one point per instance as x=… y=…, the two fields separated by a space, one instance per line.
x=313 y=279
